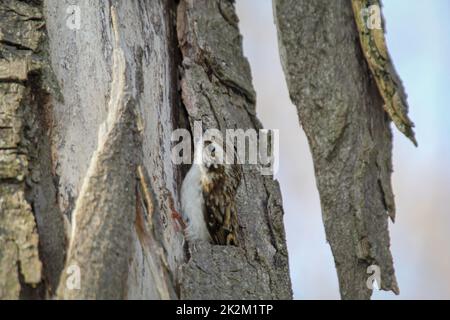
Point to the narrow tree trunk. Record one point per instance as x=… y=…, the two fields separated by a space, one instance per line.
x=87 y=183
x=349 y=135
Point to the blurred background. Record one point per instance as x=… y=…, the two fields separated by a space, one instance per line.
x=418 y=36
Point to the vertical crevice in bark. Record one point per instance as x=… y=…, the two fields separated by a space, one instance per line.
x=348 y=133
x=40 y=187
x=179 y=113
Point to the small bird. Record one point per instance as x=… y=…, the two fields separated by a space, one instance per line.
x=208 y=196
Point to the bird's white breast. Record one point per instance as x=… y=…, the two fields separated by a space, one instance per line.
x=192 y=205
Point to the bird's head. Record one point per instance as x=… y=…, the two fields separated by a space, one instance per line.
x=210 y=155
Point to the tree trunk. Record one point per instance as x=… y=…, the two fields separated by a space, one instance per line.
x=348 y=131
x=89 y=195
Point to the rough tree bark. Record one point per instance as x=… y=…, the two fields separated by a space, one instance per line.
x=86 y=177
x=349 y=135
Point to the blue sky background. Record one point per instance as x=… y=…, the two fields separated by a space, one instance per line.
x=418 y=36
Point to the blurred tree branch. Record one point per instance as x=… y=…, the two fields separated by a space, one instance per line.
x=349 y=134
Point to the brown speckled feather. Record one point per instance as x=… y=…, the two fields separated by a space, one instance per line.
x=220 y=207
